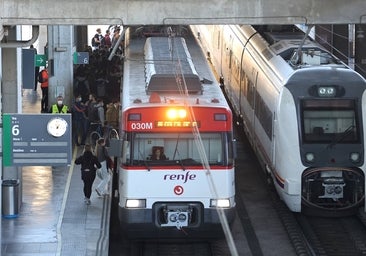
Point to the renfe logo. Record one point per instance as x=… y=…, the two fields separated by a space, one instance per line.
x=178 y=190
x=184 y=177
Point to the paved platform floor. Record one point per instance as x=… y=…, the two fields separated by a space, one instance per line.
x=53 y=218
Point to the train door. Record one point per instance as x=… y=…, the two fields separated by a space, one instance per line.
x=228 y=63
x=251 y=93
x=243 y=85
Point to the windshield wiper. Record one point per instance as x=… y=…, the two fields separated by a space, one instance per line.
x=144 y=161
x=341 y=137
x=176 y=151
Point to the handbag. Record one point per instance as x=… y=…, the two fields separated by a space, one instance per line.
x=99 y=173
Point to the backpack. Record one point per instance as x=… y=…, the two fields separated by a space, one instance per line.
x=82 y=88
x=41 y=79
x=93 y=43
x=93 y=113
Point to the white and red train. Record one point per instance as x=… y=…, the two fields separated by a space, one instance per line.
x=303 y=111
x=170 y=106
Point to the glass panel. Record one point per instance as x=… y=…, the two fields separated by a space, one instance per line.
x=335 y=123
x=179 y=148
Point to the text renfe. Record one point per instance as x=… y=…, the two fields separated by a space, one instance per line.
x=184 y=177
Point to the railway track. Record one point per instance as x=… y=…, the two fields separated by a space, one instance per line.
x=334 y=236
x=171 y=248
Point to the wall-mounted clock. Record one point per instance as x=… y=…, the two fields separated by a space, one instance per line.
x=57 y=126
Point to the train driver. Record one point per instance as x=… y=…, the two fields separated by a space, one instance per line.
x=158 y=153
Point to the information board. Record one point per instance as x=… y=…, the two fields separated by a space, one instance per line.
x=37 y=139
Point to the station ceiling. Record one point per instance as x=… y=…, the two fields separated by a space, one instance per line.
x=142 y=12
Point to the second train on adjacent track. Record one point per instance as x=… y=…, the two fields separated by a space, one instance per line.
x=176 y=173
x=304 y=112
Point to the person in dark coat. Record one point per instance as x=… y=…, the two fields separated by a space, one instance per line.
x=89 y=165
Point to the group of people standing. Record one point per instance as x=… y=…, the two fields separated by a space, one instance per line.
x=107 y=41
x=87 y=117
x=93 y=115
x=90 y=113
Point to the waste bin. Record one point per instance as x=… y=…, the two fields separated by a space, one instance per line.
x=10 y=197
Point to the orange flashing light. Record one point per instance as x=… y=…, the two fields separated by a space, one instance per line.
x=174 y=113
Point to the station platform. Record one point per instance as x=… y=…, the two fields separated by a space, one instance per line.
x=53 y=218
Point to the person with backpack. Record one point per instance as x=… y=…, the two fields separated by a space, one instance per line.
x=92 y=113
x=43 y=79
x=89 y=165
x=97 y=39
x=79 y=121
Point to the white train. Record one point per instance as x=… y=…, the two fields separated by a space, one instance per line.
x=169 y=110
x=303 y=112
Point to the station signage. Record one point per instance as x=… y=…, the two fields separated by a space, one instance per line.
x=36 y=139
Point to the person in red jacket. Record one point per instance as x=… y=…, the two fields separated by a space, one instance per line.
x=44 y=88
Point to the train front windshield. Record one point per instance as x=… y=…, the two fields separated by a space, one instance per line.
x=330 y=121
x=178 y=149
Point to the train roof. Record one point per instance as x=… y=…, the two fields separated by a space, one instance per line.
x=135 y=86
x=285 y=41
x=165 y=58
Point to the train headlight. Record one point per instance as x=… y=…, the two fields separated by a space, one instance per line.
x=327 y=91
x=310 y=157
x=355 y=157
x=135 y=203
x=176 y=113
x=222 y=203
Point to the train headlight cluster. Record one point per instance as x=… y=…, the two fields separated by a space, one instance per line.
x=355 y=157
x=176 y=113
x=327 y=91
x=135 y=203
x=221 y=203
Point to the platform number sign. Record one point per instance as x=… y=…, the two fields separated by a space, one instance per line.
x=81 y=57
x=36 y=139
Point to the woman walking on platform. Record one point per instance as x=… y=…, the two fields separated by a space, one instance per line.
x=89 y=165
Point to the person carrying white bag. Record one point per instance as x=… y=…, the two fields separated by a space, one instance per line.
x=103 y=173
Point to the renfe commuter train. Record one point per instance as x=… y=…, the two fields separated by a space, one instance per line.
x=302 y=109
x=176 y=176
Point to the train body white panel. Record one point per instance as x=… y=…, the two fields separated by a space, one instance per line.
x=301 y=109
x=177 y=163
x=177 y=185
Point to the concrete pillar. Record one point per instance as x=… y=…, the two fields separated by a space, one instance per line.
x=60 y=63
x=10 y=97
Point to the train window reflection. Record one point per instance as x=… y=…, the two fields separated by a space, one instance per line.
x=334 y=124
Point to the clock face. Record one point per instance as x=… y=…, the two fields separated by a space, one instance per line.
x=57 y=127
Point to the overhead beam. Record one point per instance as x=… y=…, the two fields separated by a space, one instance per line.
x=140 y=12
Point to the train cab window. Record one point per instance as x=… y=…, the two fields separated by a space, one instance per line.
x=180 y=148
x=329 y=121
x=158 y=153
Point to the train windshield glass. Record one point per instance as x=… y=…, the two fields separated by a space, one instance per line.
x=178 y=148
x=329 y=121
